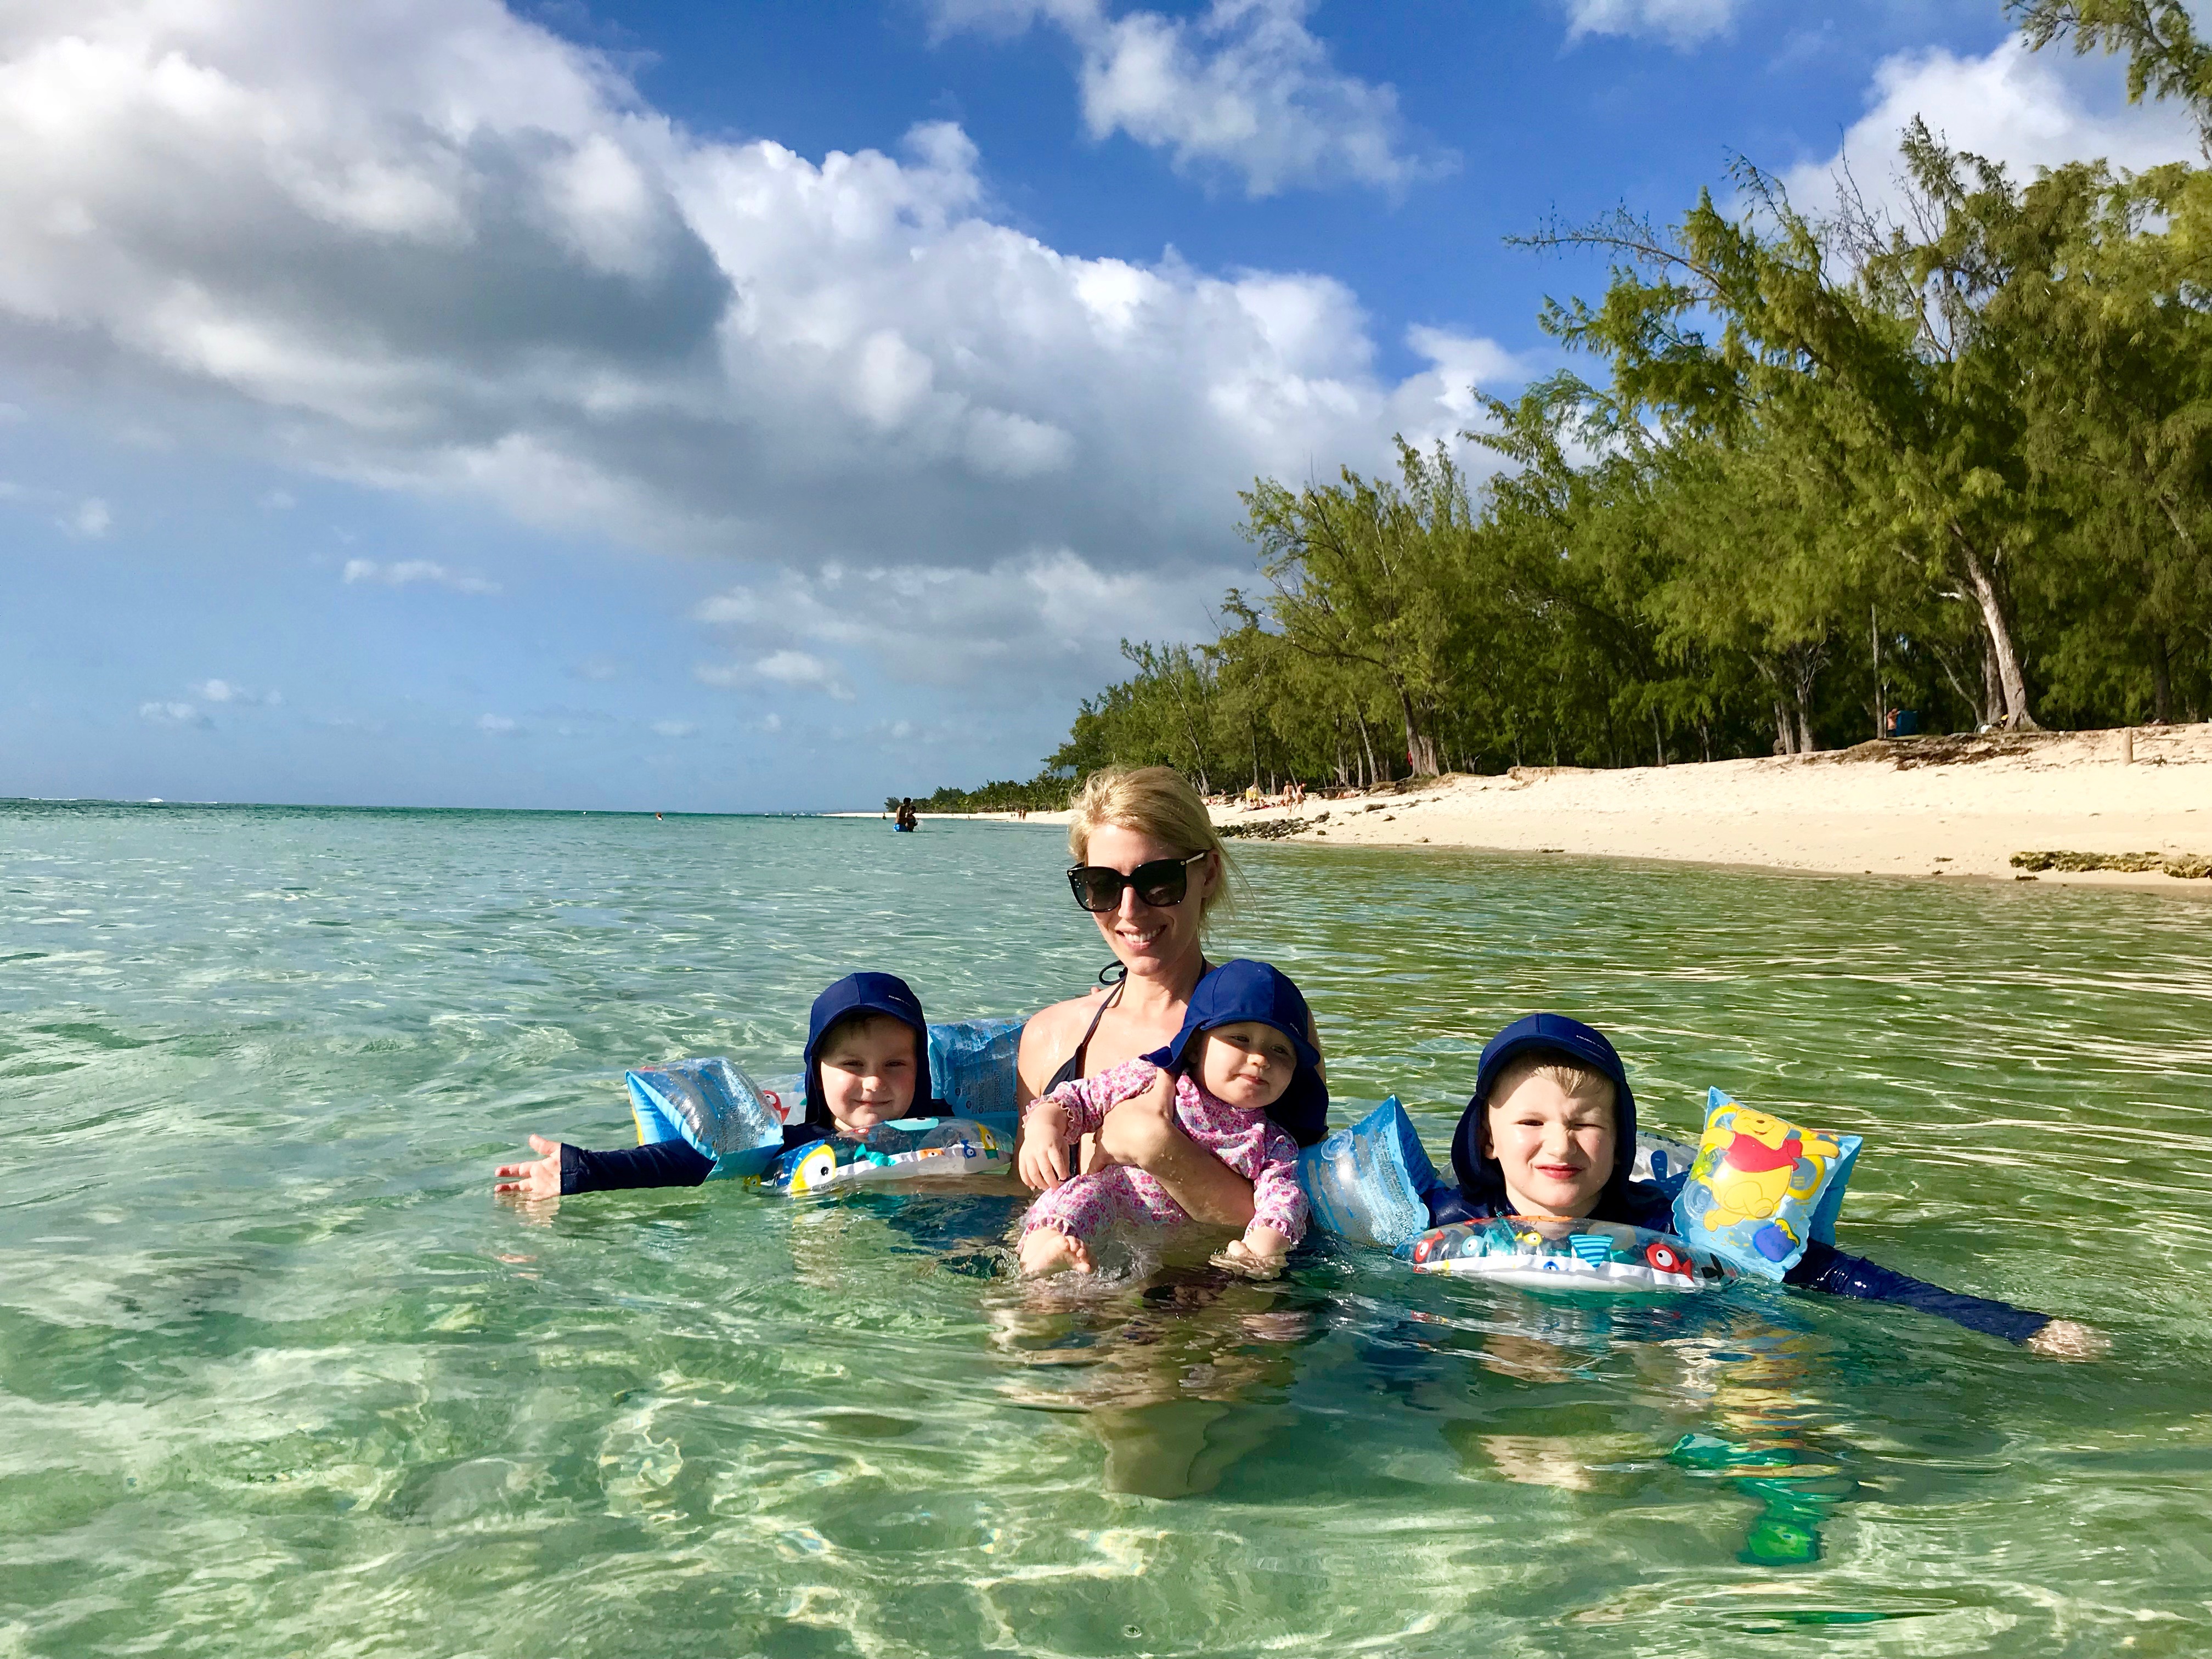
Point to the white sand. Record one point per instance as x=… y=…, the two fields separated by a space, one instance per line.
x=1889 y=809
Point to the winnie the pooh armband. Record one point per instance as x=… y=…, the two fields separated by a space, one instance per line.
x=1762 y=1188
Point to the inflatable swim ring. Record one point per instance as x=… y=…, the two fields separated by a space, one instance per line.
x=908 y=1149
x=1548 y=1255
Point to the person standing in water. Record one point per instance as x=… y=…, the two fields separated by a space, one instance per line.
x=1149 y=869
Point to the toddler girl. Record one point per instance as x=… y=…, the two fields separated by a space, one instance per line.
x=1244 y=1046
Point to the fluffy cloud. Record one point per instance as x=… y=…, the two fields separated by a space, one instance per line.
x=402 y=572
x=2026 y=109
x=224 y=691
x=89 y=520
x=173 y=713
x=1050 y=622
x=1680 y=22
x=1244 y=89
x=428 y=246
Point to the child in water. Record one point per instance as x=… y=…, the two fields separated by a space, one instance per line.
x=1243 y=1048
x=866 y=1060
x=1550 y=1130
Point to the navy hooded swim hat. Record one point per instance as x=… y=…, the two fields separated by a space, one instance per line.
x=1480 y=1177
x=864 y=993
x=1239 y=991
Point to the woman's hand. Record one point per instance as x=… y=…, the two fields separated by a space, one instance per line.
x=1042 y=1162
x=539 y=1178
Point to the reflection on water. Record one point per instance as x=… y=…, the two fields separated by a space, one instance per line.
x=280 y=1378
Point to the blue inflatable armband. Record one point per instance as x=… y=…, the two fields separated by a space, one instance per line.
x=1762 y=1188
x=971 y=1064
x=722 y=1113
x=907 y=1148
x=1552 y=1255
x=1366 y=1183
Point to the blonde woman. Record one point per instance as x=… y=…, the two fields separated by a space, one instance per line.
x=1149 y=868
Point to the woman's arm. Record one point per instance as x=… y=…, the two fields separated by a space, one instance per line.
x=1143 y=1133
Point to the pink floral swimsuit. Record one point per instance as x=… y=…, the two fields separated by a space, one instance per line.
x=1249 y=1142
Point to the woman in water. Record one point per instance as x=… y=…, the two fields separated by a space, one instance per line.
x=1149 y=869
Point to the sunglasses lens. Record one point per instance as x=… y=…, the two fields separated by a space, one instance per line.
x=1096 y=887
x=1162 y=882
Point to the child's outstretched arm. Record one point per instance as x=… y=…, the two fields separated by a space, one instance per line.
x=1824 y=1267
x=566 y=1170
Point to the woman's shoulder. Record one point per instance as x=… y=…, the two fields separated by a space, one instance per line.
x=1062 y=1020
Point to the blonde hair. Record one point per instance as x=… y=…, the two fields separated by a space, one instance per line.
x=1152 y=800
x=1571 y=1075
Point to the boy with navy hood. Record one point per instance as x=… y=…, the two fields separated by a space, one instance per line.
x=1582 y=1058
x=869 y=1032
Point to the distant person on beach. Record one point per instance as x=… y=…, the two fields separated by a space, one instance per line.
x=866 y=1062
x=1242 y=1048
x=1150 y=868
x=1550 y=1130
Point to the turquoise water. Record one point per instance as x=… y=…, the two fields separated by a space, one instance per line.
x=277 y=1376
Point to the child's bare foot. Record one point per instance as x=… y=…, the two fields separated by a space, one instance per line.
x=1048 y=1250
x=2068 y=1338
x=1241 y=1258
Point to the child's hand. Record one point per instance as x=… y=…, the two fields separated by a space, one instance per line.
x=1258 y=1255
x=539 y=1178
x=2067 y=1339
x=1042 y=1160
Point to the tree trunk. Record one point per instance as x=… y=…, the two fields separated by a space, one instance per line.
x=2011 y=679
x=1658 y=743
x=1366 y=746
x=1420 y=748
x=2162 y=679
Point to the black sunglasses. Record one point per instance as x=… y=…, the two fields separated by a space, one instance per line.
x=1159 y=883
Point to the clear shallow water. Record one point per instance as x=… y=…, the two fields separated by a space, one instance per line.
x=277 y=1376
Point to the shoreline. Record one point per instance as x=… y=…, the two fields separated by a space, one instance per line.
x=1929 y=807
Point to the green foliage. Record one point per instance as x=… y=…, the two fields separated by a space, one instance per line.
x=1959 y=461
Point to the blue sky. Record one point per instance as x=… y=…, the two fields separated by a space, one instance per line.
x=779 y=405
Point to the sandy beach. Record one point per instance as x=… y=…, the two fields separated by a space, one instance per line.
x=1938 y=807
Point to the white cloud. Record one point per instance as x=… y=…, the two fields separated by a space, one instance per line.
x=674 y=729
x=800 y=670
x=1682 y=23
x=172 y=714
x=1244 y=89
x=496 y=725
x=402 y=572
x=427 y=245
x=1047 y=623
x=224 y=691
x=90 y=520
x=2026 y=109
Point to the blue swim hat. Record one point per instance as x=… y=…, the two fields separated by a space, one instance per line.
x=1478 y=1175
x=1242 y=990
x=863 y=994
